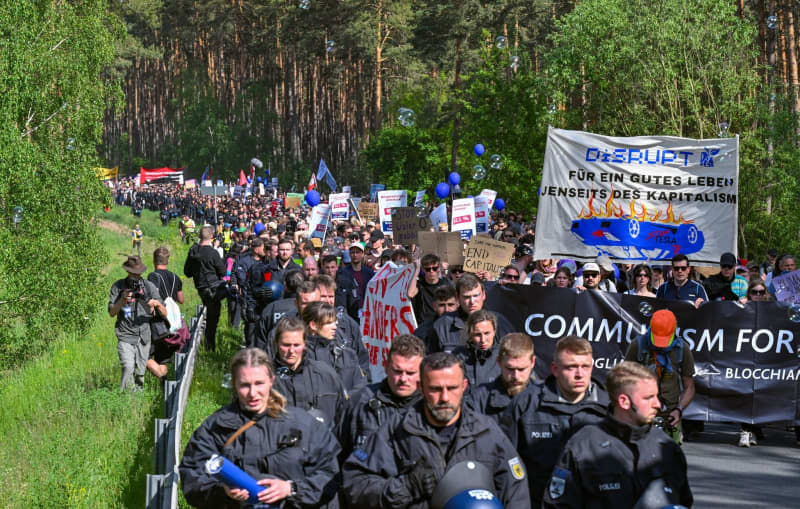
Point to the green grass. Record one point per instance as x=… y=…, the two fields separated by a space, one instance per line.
x=71 y=438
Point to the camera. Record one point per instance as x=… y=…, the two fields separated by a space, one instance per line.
x=136 y=287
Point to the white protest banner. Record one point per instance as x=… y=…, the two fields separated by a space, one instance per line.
x=339 y=207
x=420 y=197
x=490 y=195
x=388 y=200
x=637 y=199
x=319 y=220
x=481 y=214
x=386 y=314
x=463 y=219
x=439 y=216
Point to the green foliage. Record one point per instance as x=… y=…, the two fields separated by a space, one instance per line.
x=50 y=125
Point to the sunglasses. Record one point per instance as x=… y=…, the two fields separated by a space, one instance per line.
x=457 y=271
x=643 y=274
x=431 y=269
x=682 y=268
x=513 y=277
x=591 y=274
x=758 y=292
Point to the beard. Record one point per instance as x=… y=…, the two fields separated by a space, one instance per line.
x=443 y=412
x=513 y=390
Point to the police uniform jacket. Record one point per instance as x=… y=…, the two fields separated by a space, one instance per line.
x=341 y=358
x=374 y=475
x=367 y=411
x=205 y=266
x=347 y=295
x=492 y=399
x=293 y=446
x=610 y=464
x=449 y=331
x=540 y=422
x=269 y=318
x=312 y=385
x=257 y=274
x=348 y=333
x=277 y=270
x=481 y=365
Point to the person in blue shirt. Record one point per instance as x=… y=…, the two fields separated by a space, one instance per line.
x=680 y=287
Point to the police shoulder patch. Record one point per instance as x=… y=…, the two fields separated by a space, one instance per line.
x=517 y=470
x=361 y=454
x=558 y=483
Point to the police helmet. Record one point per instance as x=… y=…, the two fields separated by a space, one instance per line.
x=277 y=289
x=467 y=485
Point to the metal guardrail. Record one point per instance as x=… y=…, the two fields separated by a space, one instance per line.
x=162 y=487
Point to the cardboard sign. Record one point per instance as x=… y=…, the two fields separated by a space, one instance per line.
x=368 y=211
x=463 y=219
x=388 y=200
x=481 y=214
x=386 y=314
x=406 y=223
x=293 y=200
x=485 y=254
x=447 y=245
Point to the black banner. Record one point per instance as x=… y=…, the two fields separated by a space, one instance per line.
x=747 y=357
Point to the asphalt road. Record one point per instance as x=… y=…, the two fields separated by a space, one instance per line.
x=724 y=475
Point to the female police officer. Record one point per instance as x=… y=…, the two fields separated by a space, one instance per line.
x=292 y=454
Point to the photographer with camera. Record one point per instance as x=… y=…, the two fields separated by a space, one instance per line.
x=134 y=301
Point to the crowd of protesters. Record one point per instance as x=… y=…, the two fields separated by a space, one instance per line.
x=308 y=422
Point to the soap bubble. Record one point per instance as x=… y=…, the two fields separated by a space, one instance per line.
x=723 y=130
x=406 y=117
x=646 y=309
x=226 y=381
x=70 y=143
x=304 y=4
x=422 y=211
x=793 y=313
x=331 y=46
x=500 y=42
x=514 y=63
x=551 y=109
x=772 y=22
x=496 y=162
x=478 y=172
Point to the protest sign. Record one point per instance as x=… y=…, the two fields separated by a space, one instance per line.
x=347 y=189
x=481 y=214
x=787 y=287
x=490 y=195
x=368 y=211
x=293 y=200
x=745 y=357
x=463 y=219
x=190 y=184
x=642 y=198
x=339 y=207
x=485 y=254
x=439 y=216
x=373 y=191
x=386 y=314
x=318 y=223
x=214 y=191
x=261 y=190
x=388 y=200
x=405 y=225
x=418 y=200
x=447 y=245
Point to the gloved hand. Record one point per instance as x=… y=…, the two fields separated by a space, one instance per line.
x=422 y=480
x=262 y=294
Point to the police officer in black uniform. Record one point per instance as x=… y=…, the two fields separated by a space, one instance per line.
x=373 y=406
x=205 y=266
x=544 y=416
x=348 y=331
x=401 y=464
x=624 y=461
x=346 y=287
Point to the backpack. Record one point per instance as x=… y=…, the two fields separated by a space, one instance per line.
x=173 y=311
x=644 y=350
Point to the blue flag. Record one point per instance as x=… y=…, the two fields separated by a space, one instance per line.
x=205 y=175
x=323 y=172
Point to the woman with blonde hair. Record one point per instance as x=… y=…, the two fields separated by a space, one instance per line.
x=291 y=454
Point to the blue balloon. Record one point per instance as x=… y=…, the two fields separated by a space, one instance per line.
x=258 y=179
x=454 y=178
x=442 y=190
x=478 y=149
x=499 y=204
x=249 y=180
x=312 y=198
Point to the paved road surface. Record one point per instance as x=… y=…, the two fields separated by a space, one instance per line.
x=723 y=475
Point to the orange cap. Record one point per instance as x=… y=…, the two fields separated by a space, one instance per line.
x=662 y=328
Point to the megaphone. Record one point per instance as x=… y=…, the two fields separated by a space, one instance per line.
x=466 y=485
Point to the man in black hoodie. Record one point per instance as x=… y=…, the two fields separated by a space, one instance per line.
x=205 y=266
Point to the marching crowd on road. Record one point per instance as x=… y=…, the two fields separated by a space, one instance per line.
x=460 y=411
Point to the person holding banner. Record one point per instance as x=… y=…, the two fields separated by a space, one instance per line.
x=681 y=287
x=642 y=277
x=426 y=285
x=480 y=353
x=291 y=454
x=346 y=290
x=357 y=271
x=623 y=460
x=544 y=416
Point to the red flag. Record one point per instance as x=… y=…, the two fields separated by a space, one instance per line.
x=242 y=178
x=312 y=184
x=252 y=174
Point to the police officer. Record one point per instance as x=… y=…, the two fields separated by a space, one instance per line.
x=308 y=384
x=516 y=359
x=254 y=295
x=206 y=267
x=292 y=454
x=348 y=331
x=480 y=352
x=372 y=407
x=346 y=289
x=401 y=464
x=624 y=460
x=544 y=416
x=306 y=292
x=448 y=331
